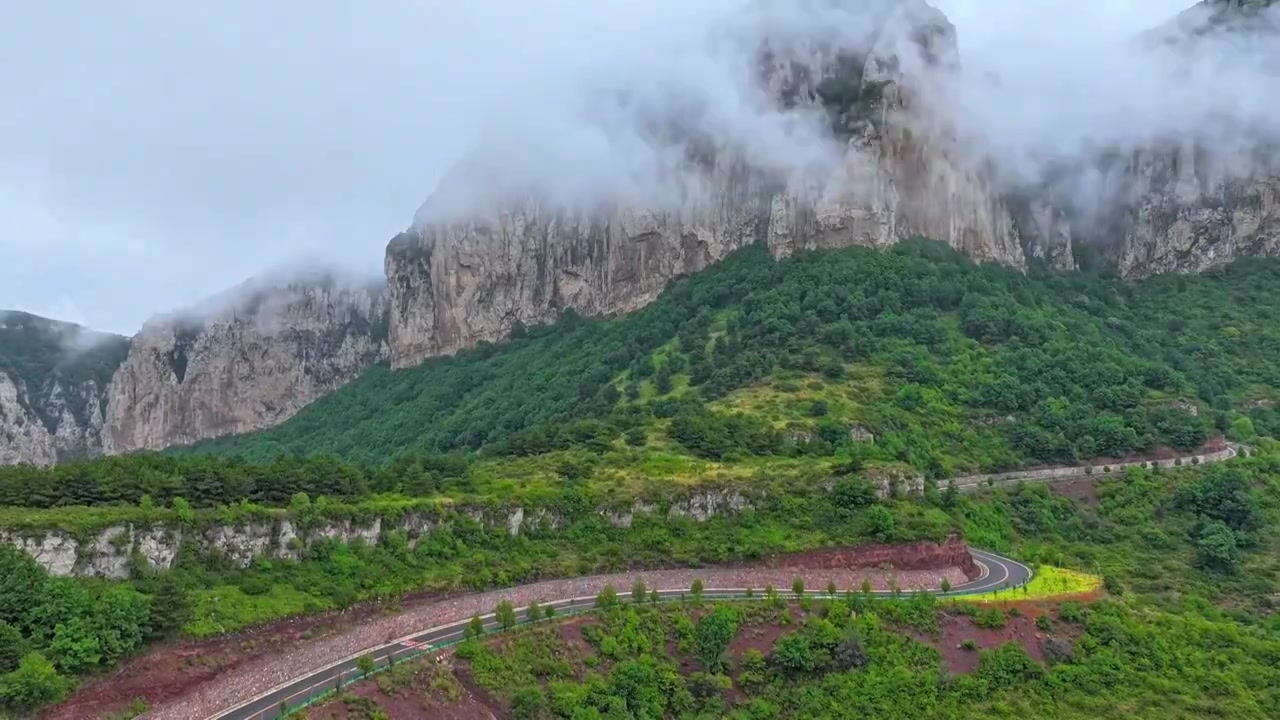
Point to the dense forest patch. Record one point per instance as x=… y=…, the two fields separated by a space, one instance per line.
x=795 y=383
x=951 y=366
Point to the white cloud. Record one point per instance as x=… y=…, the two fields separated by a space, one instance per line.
x=161 y=152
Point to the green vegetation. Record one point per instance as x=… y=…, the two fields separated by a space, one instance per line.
x=795 y=387
x=53 y=628
x=851 y=659
x=1146 y=533
x=924 y=349
x=775 y=370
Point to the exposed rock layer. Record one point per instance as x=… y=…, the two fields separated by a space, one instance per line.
x=249 y=366
x=249 y=362
x=898 y=171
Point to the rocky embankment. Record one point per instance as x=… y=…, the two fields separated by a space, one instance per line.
x=116 y=551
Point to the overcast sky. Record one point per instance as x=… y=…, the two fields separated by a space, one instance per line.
x=155 y=153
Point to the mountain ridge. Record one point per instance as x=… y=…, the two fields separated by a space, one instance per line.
x=894 y=167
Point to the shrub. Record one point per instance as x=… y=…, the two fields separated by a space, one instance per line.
x=1072 y=612
x=475 y=628
x=1112 y=585
x=969 y=645
x=991 y=618
x=607 y=598
x=505 y=613
x=528 y=703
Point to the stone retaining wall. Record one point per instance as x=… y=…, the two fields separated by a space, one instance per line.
x=1083 y=471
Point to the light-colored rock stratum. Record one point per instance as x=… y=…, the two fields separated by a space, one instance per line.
x=899 y=171
x=242 y=362
x=248 y=366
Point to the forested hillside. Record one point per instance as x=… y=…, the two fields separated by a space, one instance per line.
x=950 y=365
x=799 y=383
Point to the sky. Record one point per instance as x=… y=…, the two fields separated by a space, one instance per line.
x=156 y=153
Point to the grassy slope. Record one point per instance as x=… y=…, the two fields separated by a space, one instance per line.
x=928 y=351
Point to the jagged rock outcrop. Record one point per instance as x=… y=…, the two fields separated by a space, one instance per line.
x=1195 y=211
x=1200 y=201
x=899 y=171
x=53 y=388
x=242 y=362
x=117 y=551
x=1184 y=203
x=248 y=365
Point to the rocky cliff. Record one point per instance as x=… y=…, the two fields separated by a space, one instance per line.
x=251 y=364
x=1197 y=201
x=243 y=362
x=1181 y=202
x=1177 y=204
x=897 y=170
x=54 y=378
x=118 y=551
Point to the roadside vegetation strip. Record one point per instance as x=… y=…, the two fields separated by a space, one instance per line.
x=1048 y=583
x=371 y=663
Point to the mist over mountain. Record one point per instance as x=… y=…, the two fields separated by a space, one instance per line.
x=585 y=157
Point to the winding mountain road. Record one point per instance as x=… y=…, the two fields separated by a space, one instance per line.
x=995 y=573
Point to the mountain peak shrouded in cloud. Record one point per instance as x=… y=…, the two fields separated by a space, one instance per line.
x=636 y=96
x=192 y=146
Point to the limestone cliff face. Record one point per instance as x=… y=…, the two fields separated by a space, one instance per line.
x=55 y=431
x=53 y=382
x=898 y=171
x=1178 y=204
x=1197 y=202
x=244 y=362
x=1193 y=211
x=249 y=365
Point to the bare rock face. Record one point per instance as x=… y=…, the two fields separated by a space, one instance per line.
x=53 y=388
x=249 y=365
x=1183 y=203
x=453 y=286
x=23 y=437
x=243 y=363
x=1195 y=211
x=898 y=172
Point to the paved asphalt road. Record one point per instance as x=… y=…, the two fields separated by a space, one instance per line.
x=996 y=573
